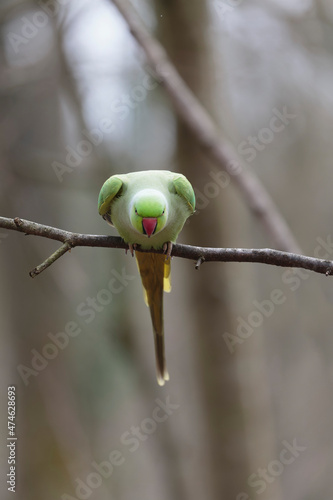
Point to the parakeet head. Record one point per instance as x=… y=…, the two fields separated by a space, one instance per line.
x=149 y=212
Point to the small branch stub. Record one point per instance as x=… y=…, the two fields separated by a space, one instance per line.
x=18 y=221
x=329 y=271
x=200 y=261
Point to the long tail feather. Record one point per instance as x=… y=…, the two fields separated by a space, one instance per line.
x=153 y=273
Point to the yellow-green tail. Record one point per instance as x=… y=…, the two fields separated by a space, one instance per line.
x=155 y=274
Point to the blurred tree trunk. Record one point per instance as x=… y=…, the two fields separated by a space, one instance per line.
x=184 y=35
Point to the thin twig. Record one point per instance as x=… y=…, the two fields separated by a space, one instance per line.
x=197 y=254
x=219 y=149
x=50 y=260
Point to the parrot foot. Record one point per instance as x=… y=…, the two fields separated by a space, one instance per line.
x=131 y=248
x=167 y=248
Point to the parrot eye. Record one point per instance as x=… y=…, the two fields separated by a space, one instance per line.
x=136 y=212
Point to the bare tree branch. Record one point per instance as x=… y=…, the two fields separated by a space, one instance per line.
x=50 y=260
x=207 y=134
x=198 y=254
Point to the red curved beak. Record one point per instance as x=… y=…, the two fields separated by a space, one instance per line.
x=149 y=225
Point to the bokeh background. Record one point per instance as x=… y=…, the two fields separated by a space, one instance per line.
x=246 y=419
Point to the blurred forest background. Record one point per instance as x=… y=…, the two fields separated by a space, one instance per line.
x=244 y=421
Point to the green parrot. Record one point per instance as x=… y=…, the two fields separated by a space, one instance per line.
x=149 y=209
